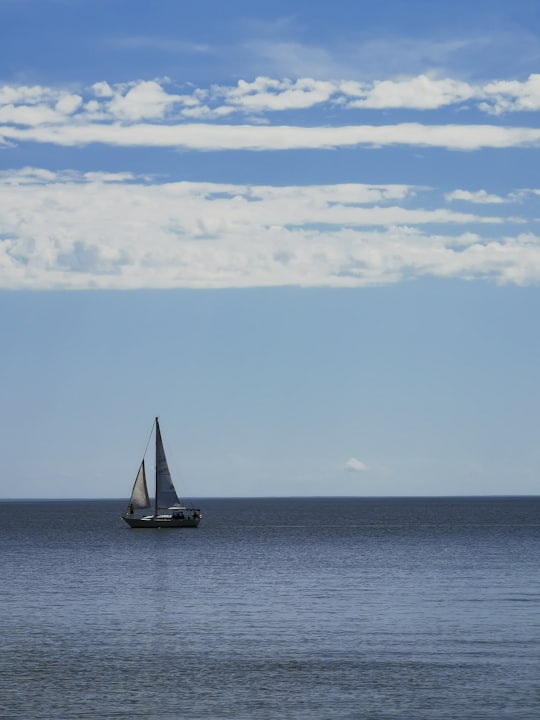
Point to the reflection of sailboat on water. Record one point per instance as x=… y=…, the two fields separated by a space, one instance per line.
x=168 y=510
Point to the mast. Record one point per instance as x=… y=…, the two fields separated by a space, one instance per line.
x=156 y=470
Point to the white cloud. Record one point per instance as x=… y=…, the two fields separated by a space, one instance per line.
x=30 y=115
x=267 y=94
x=139 y=100
x=512 y=95
x=70 y=230
x=103 y=90
x=480 y=197
x=67 y=104
x=24 y=95
x=252 y=137
x=143 y=101
x=146 y=113
x=421 y=92
x=355 y=465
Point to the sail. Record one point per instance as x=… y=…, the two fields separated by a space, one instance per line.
x=165 y=493
x=139 y=495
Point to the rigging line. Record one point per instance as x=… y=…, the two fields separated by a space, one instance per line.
x=149 y=438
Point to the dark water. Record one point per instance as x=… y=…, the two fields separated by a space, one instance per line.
x=343 y=608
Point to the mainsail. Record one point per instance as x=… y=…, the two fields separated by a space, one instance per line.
x=165 y=493
x=139 y=495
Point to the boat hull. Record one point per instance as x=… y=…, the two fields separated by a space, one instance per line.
x=135 y=522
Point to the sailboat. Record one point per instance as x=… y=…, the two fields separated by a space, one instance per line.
x=168 y=510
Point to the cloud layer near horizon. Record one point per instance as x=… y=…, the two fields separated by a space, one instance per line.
x=117 y=231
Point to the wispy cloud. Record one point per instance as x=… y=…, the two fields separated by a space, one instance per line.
x=70 y=230
x=355 y=465
x=277 y=48
x=159 y=43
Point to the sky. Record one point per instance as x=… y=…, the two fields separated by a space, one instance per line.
x=304 y=234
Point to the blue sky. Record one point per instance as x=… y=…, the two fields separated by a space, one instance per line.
x=304 y=234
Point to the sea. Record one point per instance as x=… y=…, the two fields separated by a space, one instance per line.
x=274 y=608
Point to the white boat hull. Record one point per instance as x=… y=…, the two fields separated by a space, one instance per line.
x=161 y=522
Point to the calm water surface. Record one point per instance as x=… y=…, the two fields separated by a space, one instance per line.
x=418 y=609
